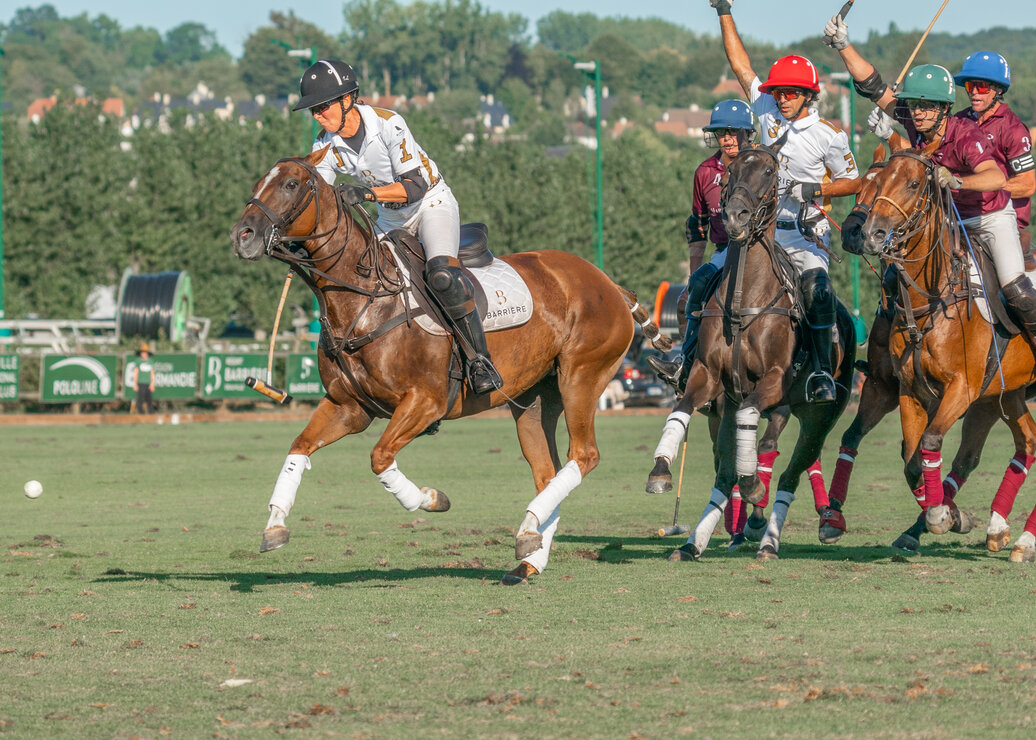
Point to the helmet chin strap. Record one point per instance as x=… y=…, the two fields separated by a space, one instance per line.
x=345 y=111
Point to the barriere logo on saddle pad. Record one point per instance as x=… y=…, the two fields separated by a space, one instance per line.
x=78 y=378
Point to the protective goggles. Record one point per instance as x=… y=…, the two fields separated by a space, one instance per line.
x=786 y=93
x=317 y=110
x=978 y=87
x=712 y=135
x=924 y=105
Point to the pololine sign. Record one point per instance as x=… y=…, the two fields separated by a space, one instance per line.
x=77 y=378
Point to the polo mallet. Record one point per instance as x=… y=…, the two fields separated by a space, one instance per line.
x=846 y=8
x=677 y=528
x=906 y=67
x=266 y=388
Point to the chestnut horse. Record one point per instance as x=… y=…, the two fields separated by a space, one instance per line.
x=376 y=362
x=945 y=355
x=748 y=351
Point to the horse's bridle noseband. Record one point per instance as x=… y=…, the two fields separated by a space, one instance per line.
x=765 y=206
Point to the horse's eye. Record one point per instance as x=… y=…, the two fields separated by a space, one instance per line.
x=769 y=171
x=291 y=184
x=914 y=184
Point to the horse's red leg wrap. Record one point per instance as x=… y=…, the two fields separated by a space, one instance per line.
x=1030 y=523
x=816 y=481
x=950 y=486
x=919 y=495
x=765 y=473
x=931 y=470
x=728 y=513
x=1014 y=476
x=737 y=513
x=843 y=470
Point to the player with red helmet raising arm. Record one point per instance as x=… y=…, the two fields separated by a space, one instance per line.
x=816 y=164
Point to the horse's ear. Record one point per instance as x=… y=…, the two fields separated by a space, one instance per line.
x=897 y=143
x=880 y=154
x=931 y=146
x=317 y=156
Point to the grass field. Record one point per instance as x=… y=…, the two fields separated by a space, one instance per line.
x=132 y=591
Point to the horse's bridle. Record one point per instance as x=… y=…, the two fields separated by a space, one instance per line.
x=921 y=214
x=764 y=206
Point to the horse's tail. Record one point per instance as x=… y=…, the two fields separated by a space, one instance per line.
x=642 y=317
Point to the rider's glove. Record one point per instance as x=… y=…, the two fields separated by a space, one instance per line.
x=805 y=192
x=722 y=6
x=353 y=195
x=945 y=178
x=880 y=123
x=836 y=33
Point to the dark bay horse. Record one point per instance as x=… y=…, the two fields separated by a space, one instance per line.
x=944 y=354
x=375 y=361
x=748 y=351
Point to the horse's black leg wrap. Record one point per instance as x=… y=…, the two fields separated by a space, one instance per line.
x=820 y=317
x=456 y=297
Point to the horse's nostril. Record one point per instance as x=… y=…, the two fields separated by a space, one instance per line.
x=245 y=235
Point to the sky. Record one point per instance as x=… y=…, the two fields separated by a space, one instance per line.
x=234 y=20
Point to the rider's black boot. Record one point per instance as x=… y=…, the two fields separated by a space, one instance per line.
x=1021 y=299
x=455 y=296
x=820 y=318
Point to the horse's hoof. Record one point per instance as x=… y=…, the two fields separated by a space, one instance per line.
x=832 y=525
x=684 y=553
x=754 y=487
x=938 y=519
x=519 y=576
x=436 y=501
x=526 y=544
x=767 y=552
x=907 y=542
x=1022 y=554
x=659 y=484
x=274 y=537
x=997 y=541
x=736 y=541
x=963 y=521
x=755 y=528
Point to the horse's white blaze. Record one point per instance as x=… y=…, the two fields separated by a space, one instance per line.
x=269 y=177
x=673 y=432
x=538 y=559
x=555 y=492
x=287 y=485
x=406 y=492
x=746 y=459
x=779 y=514
x=709 y=520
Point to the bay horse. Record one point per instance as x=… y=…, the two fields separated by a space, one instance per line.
x=749 y=352
x=376 y=361
x=945 y=355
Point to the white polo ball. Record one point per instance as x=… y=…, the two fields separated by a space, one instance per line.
x=33 y=489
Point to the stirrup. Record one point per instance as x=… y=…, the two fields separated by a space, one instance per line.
x=666 y=370
x=483 y=376
x=824 y=390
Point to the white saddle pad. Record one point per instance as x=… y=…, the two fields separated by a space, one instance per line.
x=508 y=298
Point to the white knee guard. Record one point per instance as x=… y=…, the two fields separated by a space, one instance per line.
x=672 y=435
x=746 y=457
x=557 y=489
x=288 y=482
x=405 y=491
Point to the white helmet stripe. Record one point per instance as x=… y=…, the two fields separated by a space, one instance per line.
x=334 y=71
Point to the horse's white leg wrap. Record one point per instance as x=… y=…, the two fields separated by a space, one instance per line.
x=673 y=432
x=287 y=486
x=746 y=458
x=709 y=519
x=997 y=524
x=554 y=493
x=781 y=503
x=406 y=491
x=1027 y=540
x=538 y=559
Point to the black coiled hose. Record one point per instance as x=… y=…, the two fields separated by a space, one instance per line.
x=148 y=305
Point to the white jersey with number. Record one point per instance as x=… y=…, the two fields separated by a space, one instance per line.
x=388 y=150
x=815 y=150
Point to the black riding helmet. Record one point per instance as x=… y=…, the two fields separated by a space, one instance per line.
x=327 y=80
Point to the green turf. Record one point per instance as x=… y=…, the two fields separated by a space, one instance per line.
x=132 y=590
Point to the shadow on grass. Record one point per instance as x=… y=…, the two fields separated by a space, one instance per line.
x=246 y=582
x=619 y=550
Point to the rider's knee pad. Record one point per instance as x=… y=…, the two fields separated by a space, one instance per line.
x=446 y=280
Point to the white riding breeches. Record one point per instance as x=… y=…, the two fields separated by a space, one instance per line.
x=436 y=221
x=1001 y=229
x=803 y=253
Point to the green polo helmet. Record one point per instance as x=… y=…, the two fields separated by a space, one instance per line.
x=927 y=82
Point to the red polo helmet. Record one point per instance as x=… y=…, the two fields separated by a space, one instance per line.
x=792 y=71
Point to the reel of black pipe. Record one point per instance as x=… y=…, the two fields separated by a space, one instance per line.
x=156 y=305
